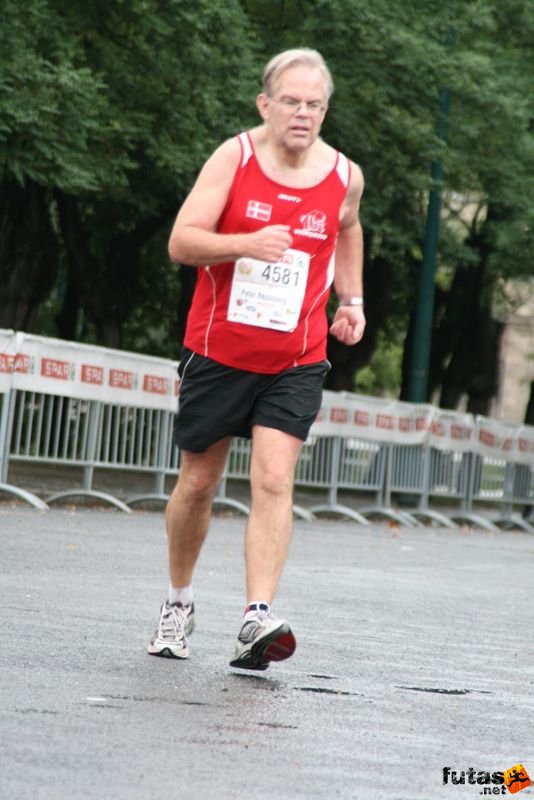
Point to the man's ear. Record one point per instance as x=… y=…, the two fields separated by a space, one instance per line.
x=262 y=104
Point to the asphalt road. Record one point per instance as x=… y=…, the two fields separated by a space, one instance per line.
x=415 y=654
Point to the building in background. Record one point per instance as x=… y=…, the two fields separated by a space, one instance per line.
x=516 y=383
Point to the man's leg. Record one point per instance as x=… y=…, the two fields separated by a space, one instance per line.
x=189 y=508
x=263 y=637
x=188 y=517
x=270 y=524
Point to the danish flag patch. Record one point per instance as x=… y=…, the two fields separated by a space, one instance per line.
x=257 y=210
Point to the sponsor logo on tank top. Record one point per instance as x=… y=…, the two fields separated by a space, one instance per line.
x=291 y=198
x=313 y=225
x=257 y=210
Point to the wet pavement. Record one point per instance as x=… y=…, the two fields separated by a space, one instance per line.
x=414 y=655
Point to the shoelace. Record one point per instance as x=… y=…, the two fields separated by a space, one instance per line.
x=173 y=622
x=251 y=625
x=259 y=616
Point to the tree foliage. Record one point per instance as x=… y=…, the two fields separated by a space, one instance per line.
x=146 y=94
x=108 y=110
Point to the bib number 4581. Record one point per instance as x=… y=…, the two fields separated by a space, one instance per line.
x=276 y=273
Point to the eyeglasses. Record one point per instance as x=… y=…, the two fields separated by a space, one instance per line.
x=292 y=105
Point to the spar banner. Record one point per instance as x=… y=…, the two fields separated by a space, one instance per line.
x=504 y=441
x=392 y=421
x=70 y=369
x=524 y=445
x=452 y=430
x=378 y=419
x=8 y=350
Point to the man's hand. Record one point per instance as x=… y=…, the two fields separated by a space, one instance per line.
x=269 y=243
x=349 y=324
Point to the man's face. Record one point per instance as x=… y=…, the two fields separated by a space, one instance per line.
x=297 y=107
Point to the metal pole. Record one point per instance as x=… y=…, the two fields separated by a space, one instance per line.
x=422 y=333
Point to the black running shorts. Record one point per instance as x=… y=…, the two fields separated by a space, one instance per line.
x=216 y=401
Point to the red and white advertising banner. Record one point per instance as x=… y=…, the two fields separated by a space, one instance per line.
x=392 y=421
x=524 y=444
x=8 y=350
x=504 y=441
x=452 y=430
x=377 y=419
x=70 y=369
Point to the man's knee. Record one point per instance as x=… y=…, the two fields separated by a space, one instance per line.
x=197 y=485
x=274 y=479
x=200 y=473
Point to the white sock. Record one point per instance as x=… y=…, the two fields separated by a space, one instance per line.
x=256 y=605
x=181 y=594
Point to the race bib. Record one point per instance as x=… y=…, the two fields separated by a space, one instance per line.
x=269 y=295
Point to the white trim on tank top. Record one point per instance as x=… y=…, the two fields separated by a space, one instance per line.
x=246 y=147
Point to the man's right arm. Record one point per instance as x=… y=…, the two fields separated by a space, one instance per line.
x=194 y=239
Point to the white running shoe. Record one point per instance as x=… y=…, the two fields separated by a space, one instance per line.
x=176 y=623
x=263 y=638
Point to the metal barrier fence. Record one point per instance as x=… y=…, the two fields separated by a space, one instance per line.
x=94 y=409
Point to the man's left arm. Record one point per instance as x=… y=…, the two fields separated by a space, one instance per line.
x=349 y=320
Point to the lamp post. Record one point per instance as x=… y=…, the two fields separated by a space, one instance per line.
x=422 y=332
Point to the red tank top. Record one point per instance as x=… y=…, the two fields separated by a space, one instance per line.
x=313 y=214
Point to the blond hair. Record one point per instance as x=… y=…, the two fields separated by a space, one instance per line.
x=294 y=58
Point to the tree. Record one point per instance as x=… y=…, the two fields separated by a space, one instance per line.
x=107 y=111
x=43 y=96
x=154 y=85
x=491 y=161
x=383 y=115
x=174 y=76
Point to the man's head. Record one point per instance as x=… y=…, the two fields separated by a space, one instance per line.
x=303 y=56
x=297 y=86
